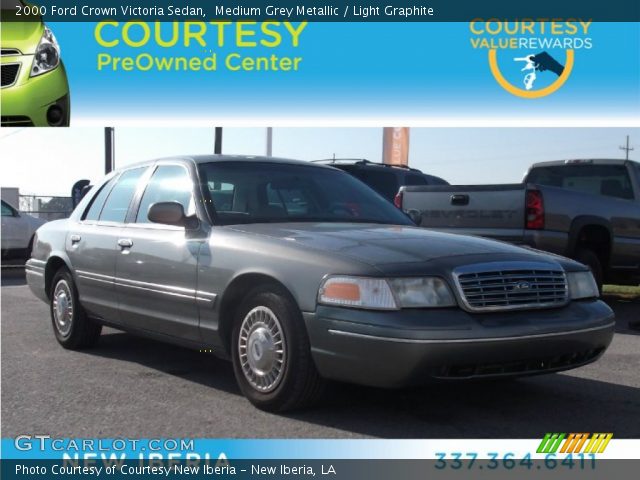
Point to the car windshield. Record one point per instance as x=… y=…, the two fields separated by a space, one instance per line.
x=262 y=192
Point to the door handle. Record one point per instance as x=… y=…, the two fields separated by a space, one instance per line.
x=125 y=243
x=75 y=239
x=459 y=199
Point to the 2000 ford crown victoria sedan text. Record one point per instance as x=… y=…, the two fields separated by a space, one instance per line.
x=300 y=273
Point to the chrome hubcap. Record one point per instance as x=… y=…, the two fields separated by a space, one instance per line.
x=63 y=307
x=262 y=349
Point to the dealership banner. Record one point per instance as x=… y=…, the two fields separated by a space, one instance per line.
x=48 y=447
x=395 y=146
x=579 y=66
x=43 y=456
x=121 y=72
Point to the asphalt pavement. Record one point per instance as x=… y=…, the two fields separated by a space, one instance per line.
x=128 y=386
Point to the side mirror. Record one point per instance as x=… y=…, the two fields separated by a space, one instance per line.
x=167 y=213
x=415 y=216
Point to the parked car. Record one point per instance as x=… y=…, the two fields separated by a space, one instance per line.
x=588 y=210
x=384 y=179
x=18 y=230
x=35 y=91
x=300 y=273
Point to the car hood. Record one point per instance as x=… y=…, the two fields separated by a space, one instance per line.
x=24 y=36
x=380 y=245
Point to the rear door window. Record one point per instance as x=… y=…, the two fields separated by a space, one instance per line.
x=385 y=183
x=7 y=211
x=116 y=207
x=607 y=180
x=93 y=212
x=413 y=179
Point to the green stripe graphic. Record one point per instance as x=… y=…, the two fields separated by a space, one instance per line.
x=543 y=443
x=550 y=443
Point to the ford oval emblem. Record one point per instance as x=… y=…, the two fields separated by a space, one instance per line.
x=522 y=286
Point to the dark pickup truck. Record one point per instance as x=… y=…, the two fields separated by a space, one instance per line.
x=588 y=210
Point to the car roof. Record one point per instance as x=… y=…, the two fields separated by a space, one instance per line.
x=582 y=161
x=198 y=159
x=364 y=163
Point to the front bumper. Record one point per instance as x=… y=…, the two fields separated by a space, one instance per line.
x=395 y=349
x=34 y=272
x=28 y=100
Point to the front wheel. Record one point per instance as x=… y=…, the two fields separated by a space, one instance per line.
x=271 y=352
x=71 y=325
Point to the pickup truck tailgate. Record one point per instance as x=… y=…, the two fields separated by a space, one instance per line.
x=489 y=210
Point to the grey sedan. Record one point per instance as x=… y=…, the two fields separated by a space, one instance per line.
x=300 y=273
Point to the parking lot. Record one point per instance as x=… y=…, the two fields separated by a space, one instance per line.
x=134 y=387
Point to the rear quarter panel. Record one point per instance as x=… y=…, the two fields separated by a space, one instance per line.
x=49 y=243
x=566 y=211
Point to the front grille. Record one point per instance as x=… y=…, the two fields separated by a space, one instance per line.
x=513 y=289
x=520 y=367
x=16 y=121
x=9 y=52
x=9 y=73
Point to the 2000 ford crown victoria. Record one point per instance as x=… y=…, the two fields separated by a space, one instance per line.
x=300 y=273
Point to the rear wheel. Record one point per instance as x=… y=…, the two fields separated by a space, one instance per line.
x=71 y=325
x=591 y=260
x=271 y=352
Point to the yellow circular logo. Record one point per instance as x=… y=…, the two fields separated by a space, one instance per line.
x=520 y=92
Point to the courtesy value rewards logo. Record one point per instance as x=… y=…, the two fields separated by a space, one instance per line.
x=574 y=443
x=531 y=58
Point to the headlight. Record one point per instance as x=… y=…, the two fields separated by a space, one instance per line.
x=47 y=56
x=582 y=285
x=422 y=292
x=385 y=294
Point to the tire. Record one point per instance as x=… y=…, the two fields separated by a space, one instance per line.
x=268 y=321
x=591 y=260
x=71 y=325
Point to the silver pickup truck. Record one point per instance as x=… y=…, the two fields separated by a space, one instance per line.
x=588 y=210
